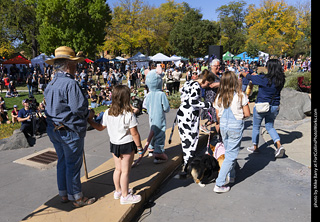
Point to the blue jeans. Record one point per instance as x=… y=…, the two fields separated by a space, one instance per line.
x=269 y=121
x=231 y=131
x=93 y=105
x=69 y=147
x=30 y=90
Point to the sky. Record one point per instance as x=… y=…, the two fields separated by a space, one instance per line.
x=207 y=7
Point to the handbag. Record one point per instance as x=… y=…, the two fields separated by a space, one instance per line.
x=264 y=107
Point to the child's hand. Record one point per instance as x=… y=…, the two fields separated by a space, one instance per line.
x=91 y=114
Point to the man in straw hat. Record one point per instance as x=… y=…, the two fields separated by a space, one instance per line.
x=67 y=113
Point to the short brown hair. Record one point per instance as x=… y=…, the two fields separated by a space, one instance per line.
x=120 y=100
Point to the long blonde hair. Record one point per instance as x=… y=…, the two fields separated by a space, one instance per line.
x=229 y=84
x=120 y=100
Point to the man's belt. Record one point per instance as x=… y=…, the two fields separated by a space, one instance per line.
x=60 y=127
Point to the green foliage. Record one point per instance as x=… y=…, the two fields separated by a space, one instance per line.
x=232 y=18
x=79 y=24
x=18 y=20
x=292 y=79
x=272 y=27
x=192 y=36
x=137 y=26
x=174 y=100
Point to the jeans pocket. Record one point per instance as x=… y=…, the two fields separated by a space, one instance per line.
x=66 y=135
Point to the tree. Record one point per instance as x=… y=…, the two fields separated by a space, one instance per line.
x=79 y=24
x=137 y=26
x=303 y=45
x=125 y=31
x=19 y=22
x=192 y=36
x=272 y=27
x=233 y=31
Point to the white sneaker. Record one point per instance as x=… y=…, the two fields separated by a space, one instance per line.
x=130 y=199
x=222 y=189
x=117 y=195
x=279 y=152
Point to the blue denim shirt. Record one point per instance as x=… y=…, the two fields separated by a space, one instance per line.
x=66 y=103
x=265 y=92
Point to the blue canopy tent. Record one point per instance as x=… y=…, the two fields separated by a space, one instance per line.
x=244 y=56
x=102 y=60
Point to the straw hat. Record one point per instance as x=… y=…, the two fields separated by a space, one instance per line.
x=64 y=52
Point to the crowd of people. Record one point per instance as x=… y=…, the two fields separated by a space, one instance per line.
x=68 y=83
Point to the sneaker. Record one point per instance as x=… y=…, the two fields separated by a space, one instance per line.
x=160 y=158
x=279 y=152
x=204 y=129
x=130 y=199
x=252 y=150
x=150 y=152
x=222 y=189
x=117 y=195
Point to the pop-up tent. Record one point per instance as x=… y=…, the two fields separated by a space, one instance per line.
x=40 y=59
x=139 y=57
x=244 y=56
x=159 y=57
x=17 y=60
x=102 y=60
x=227 y=56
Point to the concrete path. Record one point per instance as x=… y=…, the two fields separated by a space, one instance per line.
x=23 y=189
x=265 y=189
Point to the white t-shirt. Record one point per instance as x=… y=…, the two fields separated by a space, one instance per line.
x=119 y=127
x=236 y=107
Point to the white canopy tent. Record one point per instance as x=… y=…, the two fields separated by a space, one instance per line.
x=40 y=59
x=263 y=55
x=159 y=57
x=121 y=58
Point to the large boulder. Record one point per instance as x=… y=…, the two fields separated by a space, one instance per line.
x=294 y=105
x=16 y=141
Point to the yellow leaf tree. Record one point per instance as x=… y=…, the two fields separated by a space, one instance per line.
x=272 y=27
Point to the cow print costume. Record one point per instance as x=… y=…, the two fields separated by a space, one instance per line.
x=188 y=117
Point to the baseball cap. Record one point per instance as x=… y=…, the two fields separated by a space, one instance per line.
x=15 y=106
x=25 y=100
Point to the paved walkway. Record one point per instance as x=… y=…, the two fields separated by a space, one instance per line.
x=266 y=189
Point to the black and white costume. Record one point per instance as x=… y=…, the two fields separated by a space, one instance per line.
x=188 y=117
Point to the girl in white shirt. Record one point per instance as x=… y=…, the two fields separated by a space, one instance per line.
x=121 y=124
x=231 y=106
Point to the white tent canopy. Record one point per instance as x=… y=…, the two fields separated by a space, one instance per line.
x=159 y=57
x=263 y=55
x=121 y=58
x=40 y=59
x=175 y=58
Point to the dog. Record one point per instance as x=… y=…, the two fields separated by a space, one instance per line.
x=218 y=152
x=203 y=169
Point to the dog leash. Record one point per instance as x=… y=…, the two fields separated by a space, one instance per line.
x=172 y=129
x=208 y=143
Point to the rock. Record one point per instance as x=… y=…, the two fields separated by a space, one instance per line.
x=16 y=141
x=294 y=105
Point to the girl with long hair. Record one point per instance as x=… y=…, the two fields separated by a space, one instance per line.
x=231 y=106
x=121 y=124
